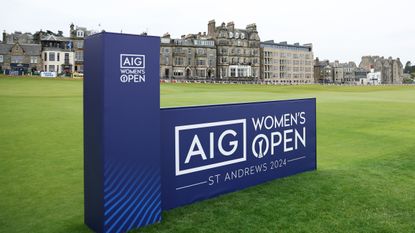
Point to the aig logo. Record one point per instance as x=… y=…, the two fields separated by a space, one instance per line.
x=132 y=61
x=132 y=68
x=205 y=146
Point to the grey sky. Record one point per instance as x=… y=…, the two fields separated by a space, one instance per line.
x=343 y=30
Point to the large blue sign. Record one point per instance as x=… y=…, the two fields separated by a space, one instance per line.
x=212 y=150
x=121 y=132
x=140 y=159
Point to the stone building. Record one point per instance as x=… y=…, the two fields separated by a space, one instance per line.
x=190 y=57
x=287 y=64
x=19 y=57
x=317 y=70
x=338 y=73
x=349 y=72
x=238 y=51
x=359 y=74
x=391 y=69
x=323 y=71
x=77 y=35
x=21 y=38
x=343 y=73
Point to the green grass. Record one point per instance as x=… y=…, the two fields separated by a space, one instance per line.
x=365 y=180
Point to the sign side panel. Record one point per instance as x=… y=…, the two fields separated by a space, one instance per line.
x=93 y=133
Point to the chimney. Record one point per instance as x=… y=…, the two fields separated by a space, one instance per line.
x=211 y=27
x=71 y=29
x=251 y=27
x=231 y=26
x=4 y=37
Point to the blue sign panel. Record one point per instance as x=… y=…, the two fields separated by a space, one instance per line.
x=211 y=150
x=121 y=132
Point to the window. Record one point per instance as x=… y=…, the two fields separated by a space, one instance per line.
x=58 y=57
x=201 y=51
x=166 y=60
x=79 y=56
x=178 y=72
x=51 y=68
x=242 y=72
x=66 y=58
x=1 y=58
x=45 y=57
x=201 y=62
x=51 y=56
x=33 y=60
x=224 y=59
x=17 y=59
x=211 y=62
x=233 y=72
x=201 y=73
x=79 y=33
x=178 y=61
x=80 y=44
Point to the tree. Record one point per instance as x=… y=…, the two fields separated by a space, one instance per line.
x=408 y=68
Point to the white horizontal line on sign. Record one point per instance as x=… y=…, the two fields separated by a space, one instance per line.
x=295 y=159
x=191 y=185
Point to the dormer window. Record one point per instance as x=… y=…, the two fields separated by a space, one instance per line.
x=80 y=33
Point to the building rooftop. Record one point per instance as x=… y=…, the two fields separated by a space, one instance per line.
x=29 y=49
x=285 y=45
x=54 y=38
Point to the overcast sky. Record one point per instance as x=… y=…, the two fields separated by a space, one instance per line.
x=343 y=30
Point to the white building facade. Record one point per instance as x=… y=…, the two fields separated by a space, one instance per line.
x=55 y=60
x=372 y=78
